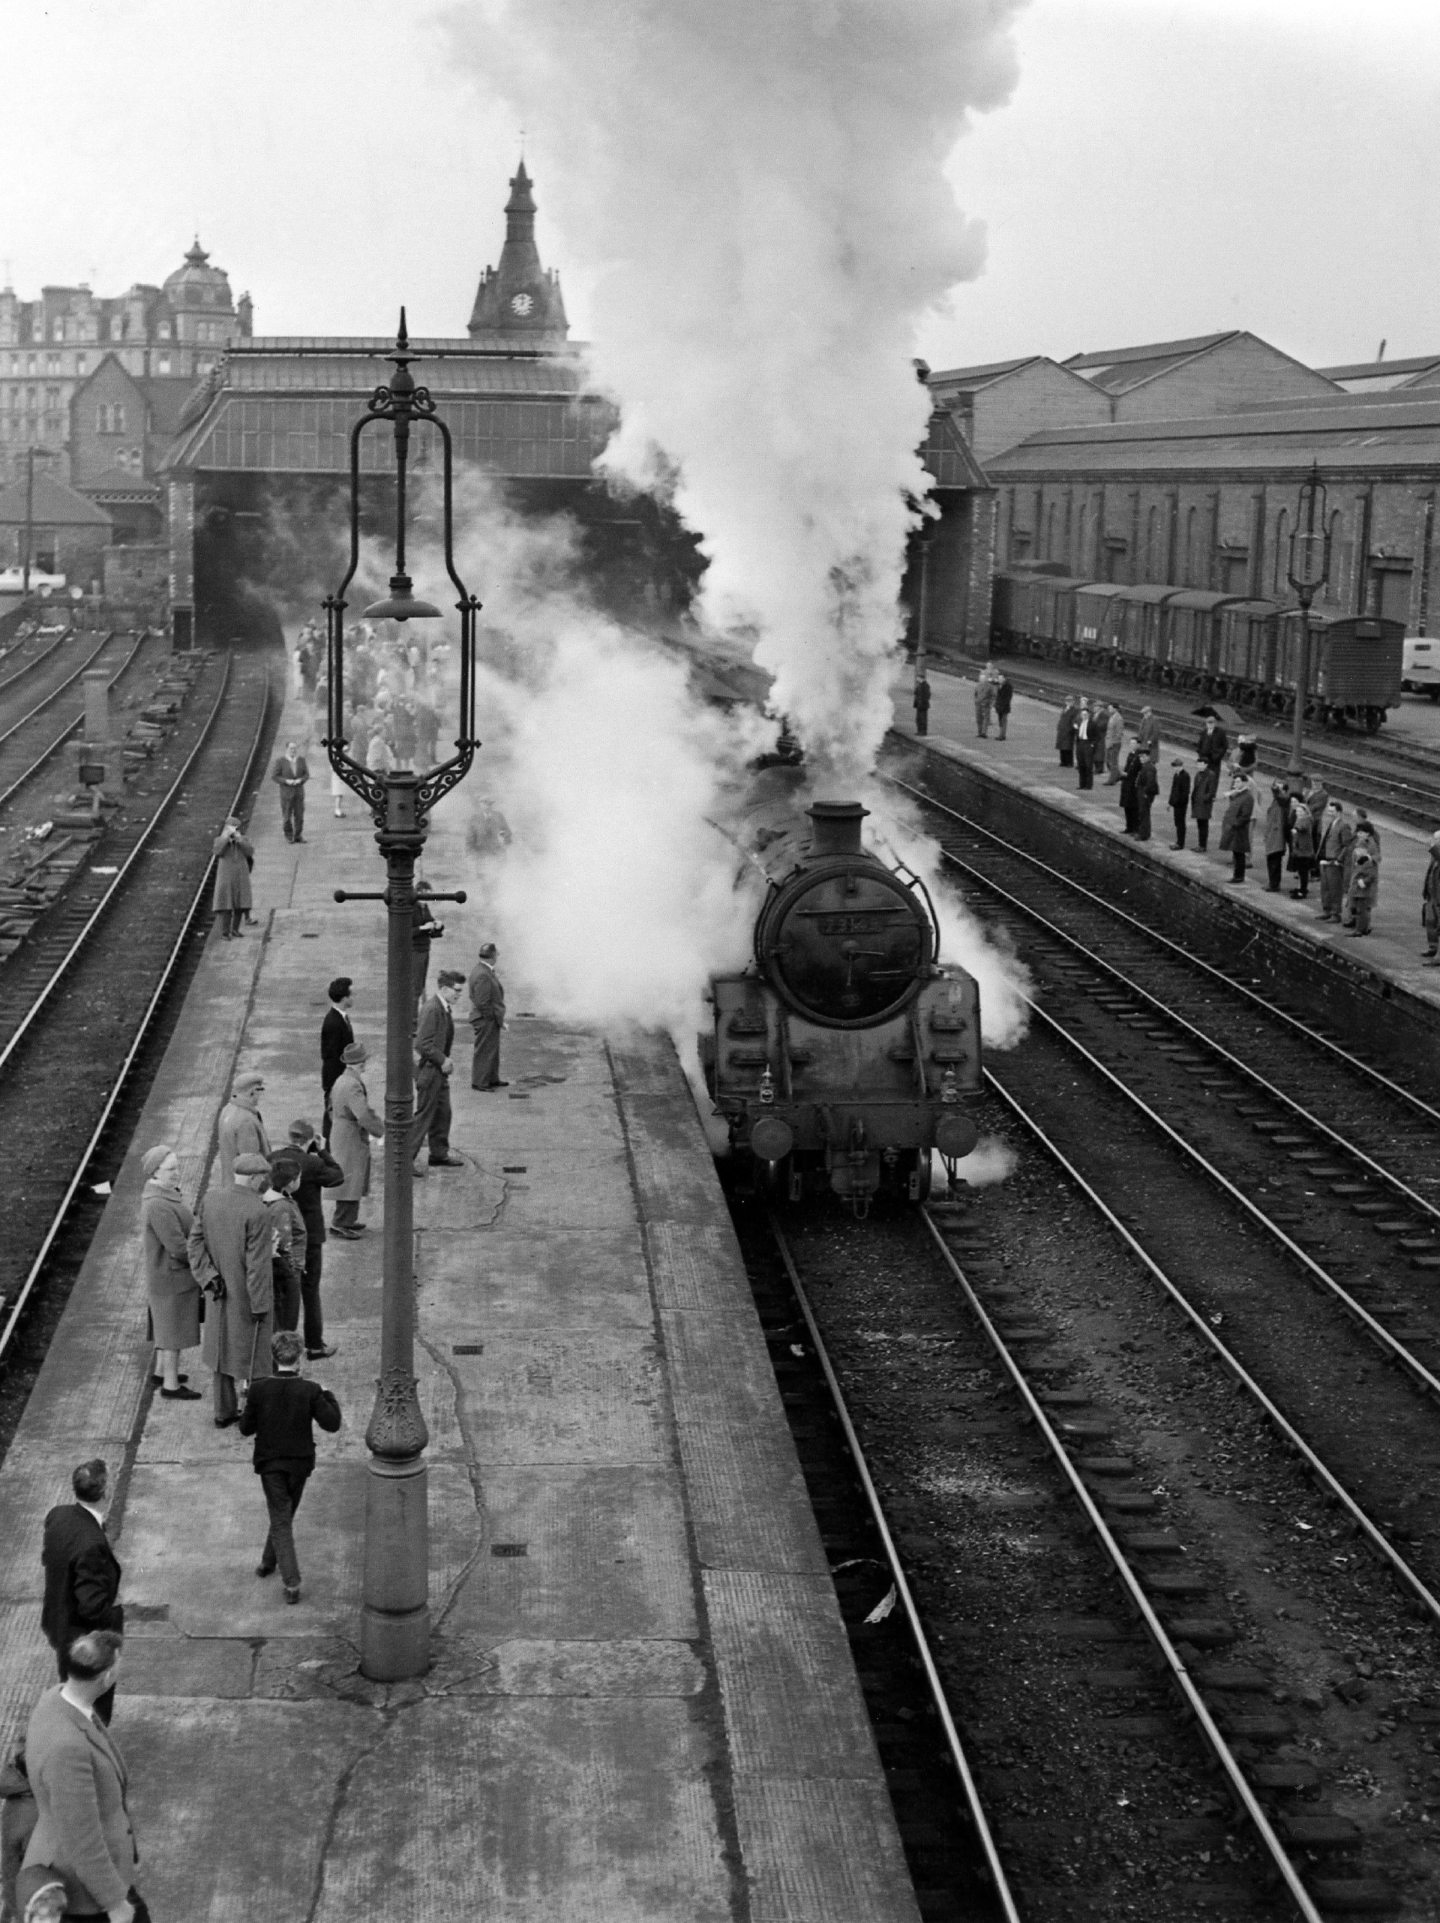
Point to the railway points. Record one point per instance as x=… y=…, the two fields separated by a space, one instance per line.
x=643 y=1703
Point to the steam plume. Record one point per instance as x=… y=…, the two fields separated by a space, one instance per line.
x=760 y=185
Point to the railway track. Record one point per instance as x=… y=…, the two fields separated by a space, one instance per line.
x=26 y=656
x=31 y=743
x=84 y=1015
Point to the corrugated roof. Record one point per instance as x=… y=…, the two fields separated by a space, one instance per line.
x=1151 y=351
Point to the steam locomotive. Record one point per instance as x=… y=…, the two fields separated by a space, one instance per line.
x=843 y=1053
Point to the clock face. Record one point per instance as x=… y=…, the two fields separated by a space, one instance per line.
x=521 y=303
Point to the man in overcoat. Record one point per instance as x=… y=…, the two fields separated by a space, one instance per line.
x=1235 y=827
x=1065 y=731
x=337 y=1032
x=241 y=1129
x=1213 y=745
x=233 y=855
x=434 y=1047
x=1203 y=790
x=231 y=1248
x=1334 y=840
x=83 y=1833
x=353 y=1122
x=1114 y=741
x=1004 y=701
x=921 y=700
x=291 y=774
x=487 y=1016
x=1147 y=735
x=1179 y=799
x=1430 y=906
x=82 y=1572
x=1084 y=746
x=318 y=1170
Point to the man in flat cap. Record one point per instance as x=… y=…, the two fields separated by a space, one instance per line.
x=231 y=1246
x=434 y=1044
x=352 y=1123
x=241 y=1129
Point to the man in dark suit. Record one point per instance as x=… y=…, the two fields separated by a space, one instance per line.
x=292 y=774
x=336 y=1035
x=487 y=1015
x=280 y=1412
x=434 y=1045
x=83 y=1836
x=318 y=1170
x=82 y=1574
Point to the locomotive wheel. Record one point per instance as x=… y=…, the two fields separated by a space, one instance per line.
x=919 y=1184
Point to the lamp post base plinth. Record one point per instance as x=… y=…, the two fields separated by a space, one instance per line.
x=395 y=1610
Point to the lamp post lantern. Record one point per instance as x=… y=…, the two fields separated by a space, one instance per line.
x=1307 y=572
x=395 y=1613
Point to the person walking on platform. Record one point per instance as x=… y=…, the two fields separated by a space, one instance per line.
x=1203 y=790
x=1147 y=735
x=241 y=1128
x=318 y=1170
x=281 y=1412
x=354 y=1122
x=1147 y=786
x=174 y=1294
x=1179 y=800
x=291 y=773
x=1276 y=831
x=1430 y=905
x=1114 y=742
x=487 y=1018
x=1364 y=888
x=984 y=702
x=83 y=1835
x=233 y=855
x=82 y=1572
x=1004 y=701
x=1302 y=847
x=231 y=1246
x=1084 y=746
x=1213 y=745
x=1336 y=835
x=1235 y=827
x=1065 y=729
x=337 y=1032
x=1127 y=797
x=435 y=1045
x=920 y=699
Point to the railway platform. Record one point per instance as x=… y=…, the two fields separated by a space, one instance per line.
x=1027 y=761
x=642 y=1704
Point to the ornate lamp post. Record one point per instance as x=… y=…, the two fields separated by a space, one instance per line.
x=395 y=1616
x=1308 y=571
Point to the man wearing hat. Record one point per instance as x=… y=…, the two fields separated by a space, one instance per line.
x=352 y=1123
x=434 y=1042
x=231 y=1246
x=318 y=1170
x=487 y=1016
x=241 y=1129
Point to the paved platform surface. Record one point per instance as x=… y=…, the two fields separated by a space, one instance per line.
x=646 y=1708
x=1027 y=760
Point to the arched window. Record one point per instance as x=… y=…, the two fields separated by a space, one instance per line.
x=1282 y=554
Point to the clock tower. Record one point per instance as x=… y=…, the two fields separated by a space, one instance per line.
x=518 y=305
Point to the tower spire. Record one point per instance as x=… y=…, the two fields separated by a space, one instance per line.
x=518 y=304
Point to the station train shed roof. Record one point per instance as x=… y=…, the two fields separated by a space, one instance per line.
x=1391 y=433
x=287 y=404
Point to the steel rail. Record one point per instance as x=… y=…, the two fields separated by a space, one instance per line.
x=55 y=693
x=62 y=967
x=1286 y=1429
x=36 y=766
x=1155 y=1629
x=147 y=1019
x=38 y=661
x=1377 y=1332
x=1191 y=961
x=902 y=1588
x=1199 y=1037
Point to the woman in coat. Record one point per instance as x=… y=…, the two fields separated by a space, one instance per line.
x=233 y=856
x=165 y=1222
x=1203 y=790
x=352 y=1123
x=1276 y=833
x=1235 y=828
x=1302 y=847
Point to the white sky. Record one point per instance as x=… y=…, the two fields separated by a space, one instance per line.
x=1164 y=168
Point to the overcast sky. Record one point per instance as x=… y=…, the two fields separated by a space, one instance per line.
x=1163 y=168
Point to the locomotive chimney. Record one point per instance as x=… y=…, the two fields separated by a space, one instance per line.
x=836 y=827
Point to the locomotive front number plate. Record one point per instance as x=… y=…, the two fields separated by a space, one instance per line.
x=860 y=923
